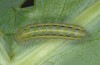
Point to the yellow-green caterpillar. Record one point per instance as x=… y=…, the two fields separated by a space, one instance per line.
x=50 y=30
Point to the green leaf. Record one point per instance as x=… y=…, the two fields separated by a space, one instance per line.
x=10 y=3
x=5 y=50
x=85 y=13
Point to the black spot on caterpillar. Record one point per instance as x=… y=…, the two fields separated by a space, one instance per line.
x=50 y=30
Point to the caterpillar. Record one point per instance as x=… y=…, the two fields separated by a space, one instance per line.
x=50 y=30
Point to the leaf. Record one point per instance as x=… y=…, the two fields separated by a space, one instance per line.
x=10 y=3
x=5 y=50
x=85 y=13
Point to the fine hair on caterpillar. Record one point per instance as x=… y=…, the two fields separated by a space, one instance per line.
x=50 y=30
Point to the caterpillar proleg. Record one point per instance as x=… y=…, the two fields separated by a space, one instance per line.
x=50 y=30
